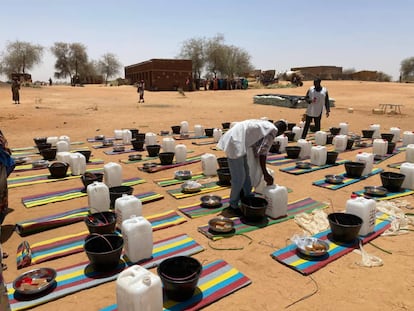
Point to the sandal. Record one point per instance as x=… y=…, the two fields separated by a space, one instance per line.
x=5 y=255
x=4 y=266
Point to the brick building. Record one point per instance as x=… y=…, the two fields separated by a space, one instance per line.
x=322 y=72
x=161 y=74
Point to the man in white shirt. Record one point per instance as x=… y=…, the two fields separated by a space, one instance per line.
x=246 y=145
x=317 y=97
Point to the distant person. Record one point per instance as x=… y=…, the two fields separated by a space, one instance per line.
x=246 y=145
x=317 y=97
x=140 y=90
x=50 y=82
x=15 y=88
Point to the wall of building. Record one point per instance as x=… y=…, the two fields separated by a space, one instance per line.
x=161 y=74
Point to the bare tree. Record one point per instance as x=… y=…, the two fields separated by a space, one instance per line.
x=20 y=56
x=109 y=66
x=194 y=49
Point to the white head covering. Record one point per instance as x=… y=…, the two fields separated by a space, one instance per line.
x=243 y=135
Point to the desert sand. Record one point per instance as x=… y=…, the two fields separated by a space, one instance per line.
x=84 y=112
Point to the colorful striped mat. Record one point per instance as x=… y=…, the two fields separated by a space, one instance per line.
x=126 y=161
x=112 y=152
x=305 y=265
x=27 y=227
x=217 y=280
x=196 y=210
x=36 y=225
x=396 y=165
x=306 y=205
x=346 y=182
x=82 y=276
x=35 y=153
x=165 y=182
x=73 y=143
x=93 y=140
x=13 y=182
x=28 y=167
x=204 y=143
x=388 y=196
x=387 y=156
x=178 y=137
x=298 y=171
x=278 y=160
x=205 y=188
x=67 y=194
x=71 y=244
x=189 y=160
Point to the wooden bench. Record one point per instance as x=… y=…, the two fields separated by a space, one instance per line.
x=393 y=108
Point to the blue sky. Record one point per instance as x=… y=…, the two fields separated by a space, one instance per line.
x=358 y=34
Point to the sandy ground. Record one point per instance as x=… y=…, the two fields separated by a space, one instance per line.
x=91 y=110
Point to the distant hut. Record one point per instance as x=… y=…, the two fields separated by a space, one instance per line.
x=162 y=74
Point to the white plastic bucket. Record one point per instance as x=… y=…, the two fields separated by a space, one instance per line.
x=198 y=130
x=138 y=289
x=376 y=128
x=63 y=156
x=180 y=153
x=298 y=132
x=62 y=145
x=112 y=174
x=409 y=153
x=52 y=140
x=340 y=142
x=344 y=128
x=150 y=138
x=277 y=199
x=98 y=197
x=318 y=155
x=368 y=159
x=126 y=136
x=379 y=147
x=283 y=141
x=397 y=132
x=209 y=164
x=407 y=169
x=138 y=241
x=125 y=207
x=168 y=144
x=184 y=127
x=365 y=209
x=408 y=138
x=320 y=138
x=77 y=163
x=305 y=148
x=217 y=133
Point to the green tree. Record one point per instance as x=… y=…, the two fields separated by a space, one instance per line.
x=20 y=56
x=407 y=69
x=109 y=66
x=215 y=54
x=71 y=59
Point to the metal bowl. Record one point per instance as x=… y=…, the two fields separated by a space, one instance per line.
x=119 y=148
x=303 y=165
x=182 y=174
x=221 y=224
x=190 y=187
x=134 y=157
x=376 y=191
x=40 y=164
x=99 y=137
x=148 y=166
x=19 y=160
x=163 y=133
x=334 y=179
x=35 y=281
x=311 y=246
x=210 y=200
x=107 y=142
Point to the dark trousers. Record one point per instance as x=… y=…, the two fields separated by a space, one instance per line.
x=307 y=124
